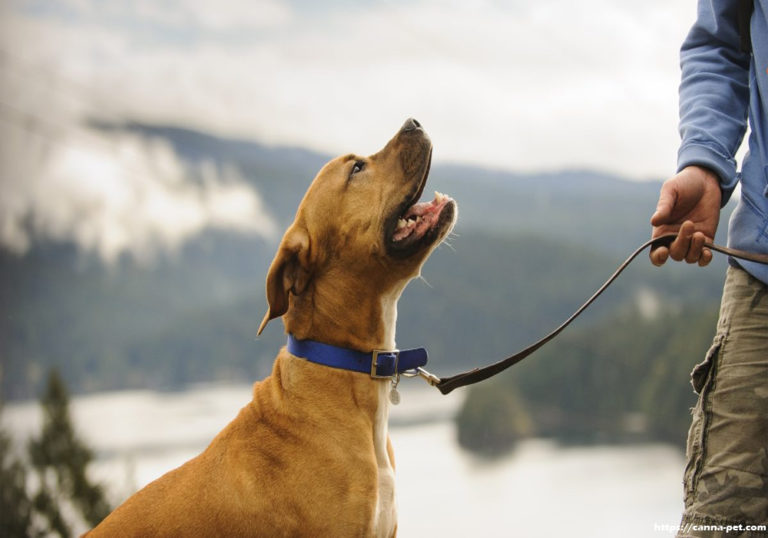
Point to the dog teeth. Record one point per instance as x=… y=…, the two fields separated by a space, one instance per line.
x=440 y=197
x=401 y=223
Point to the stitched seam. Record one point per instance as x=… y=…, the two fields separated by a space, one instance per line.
x=761 y=234
x=752 y=207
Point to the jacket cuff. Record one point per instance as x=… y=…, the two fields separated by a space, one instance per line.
x=724 y=167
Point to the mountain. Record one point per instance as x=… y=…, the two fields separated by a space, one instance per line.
x=597 y=210
x=528 y=249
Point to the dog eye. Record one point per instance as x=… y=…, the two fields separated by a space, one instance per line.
x=358 y=167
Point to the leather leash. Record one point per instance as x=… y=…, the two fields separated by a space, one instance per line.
x=447 y=384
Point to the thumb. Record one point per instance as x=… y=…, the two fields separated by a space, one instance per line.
x=664 y=206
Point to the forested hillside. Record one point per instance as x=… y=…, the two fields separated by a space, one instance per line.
x=527 y=250
x=626 y=379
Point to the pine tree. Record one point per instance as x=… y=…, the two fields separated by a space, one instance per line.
x=15 y=505
x=61 y=460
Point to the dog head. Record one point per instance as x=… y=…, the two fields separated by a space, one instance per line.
x=360 y=224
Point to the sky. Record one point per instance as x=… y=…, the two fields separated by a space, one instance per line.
x=518 y=85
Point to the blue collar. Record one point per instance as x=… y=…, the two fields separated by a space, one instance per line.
x=378 y=364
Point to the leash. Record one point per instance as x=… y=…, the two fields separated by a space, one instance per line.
x=448 y=384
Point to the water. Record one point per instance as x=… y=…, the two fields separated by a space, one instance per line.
x=540 y=490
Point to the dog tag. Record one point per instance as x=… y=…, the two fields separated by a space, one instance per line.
x=394 y=396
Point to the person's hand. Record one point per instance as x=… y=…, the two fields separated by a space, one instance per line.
x=689 y=205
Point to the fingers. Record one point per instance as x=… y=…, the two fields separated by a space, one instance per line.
x=695 y=248
x=664 y=206
x=706 y=257
x=659 y=256
x=679 y=248
x=688 y=246
x=661 y=219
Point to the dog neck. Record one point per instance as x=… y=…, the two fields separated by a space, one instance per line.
x=346 y=312
x=353 y=316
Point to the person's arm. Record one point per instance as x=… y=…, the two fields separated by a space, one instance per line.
x=714 y=93
x=714 y=98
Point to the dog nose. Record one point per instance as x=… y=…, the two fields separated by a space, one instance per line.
x=410 y=125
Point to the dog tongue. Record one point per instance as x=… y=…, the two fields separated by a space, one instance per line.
x=423 y=208
x=420 y=217
x=419 y=209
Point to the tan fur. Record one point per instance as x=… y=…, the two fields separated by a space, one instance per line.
x=310 y=454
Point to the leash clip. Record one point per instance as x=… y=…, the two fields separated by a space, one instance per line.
x=432 y=379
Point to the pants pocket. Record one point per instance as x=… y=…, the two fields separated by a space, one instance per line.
x=702 y=379
x=701 y=372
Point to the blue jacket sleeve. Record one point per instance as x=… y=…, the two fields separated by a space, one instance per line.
x=714 y=93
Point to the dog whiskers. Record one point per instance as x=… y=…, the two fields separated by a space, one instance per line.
x=421 y=277
x=447 y=243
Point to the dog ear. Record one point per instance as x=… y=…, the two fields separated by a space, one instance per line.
x=289 y=272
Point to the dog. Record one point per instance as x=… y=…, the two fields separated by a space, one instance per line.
x=310 y=454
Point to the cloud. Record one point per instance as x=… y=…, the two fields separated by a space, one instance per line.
x=218 y=16
x=517 y=85
x=131 y=195
x=111 y=194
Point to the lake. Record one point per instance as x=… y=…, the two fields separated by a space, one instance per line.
x=539 y=490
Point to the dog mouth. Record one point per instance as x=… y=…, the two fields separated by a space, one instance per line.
x=415 y=225
x=420 y=218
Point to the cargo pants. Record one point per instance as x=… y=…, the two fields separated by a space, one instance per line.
x=726 y=474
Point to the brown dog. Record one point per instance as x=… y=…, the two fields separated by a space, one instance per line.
x=310 y=455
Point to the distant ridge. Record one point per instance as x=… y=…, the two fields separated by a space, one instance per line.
x=528 y=249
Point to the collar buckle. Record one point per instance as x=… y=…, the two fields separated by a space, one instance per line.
x=393 y=358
